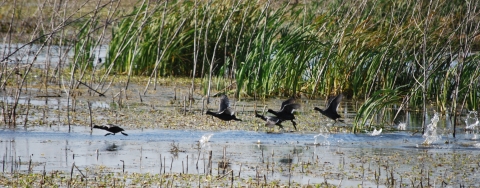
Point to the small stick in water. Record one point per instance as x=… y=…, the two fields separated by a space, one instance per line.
x=184 y=105
x=123 y=166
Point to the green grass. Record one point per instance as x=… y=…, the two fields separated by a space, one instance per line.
x=265 y=48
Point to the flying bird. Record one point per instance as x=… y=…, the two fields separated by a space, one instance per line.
x=331 y=110
x=224 y=112
x=111 y=128
x=286 y=111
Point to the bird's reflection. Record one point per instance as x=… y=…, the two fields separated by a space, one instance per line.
x=286 y=160
x=112 y=147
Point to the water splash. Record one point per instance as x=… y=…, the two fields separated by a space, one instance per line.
x=325 y=135
x=472 y=123
x=472 y=120
x=205 y=138
x=376 y=132
x=402 y=126
x=430 y=134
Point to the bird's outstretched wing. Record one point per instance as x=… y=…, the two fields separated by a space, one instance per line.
x=287 y=102
x=290 y=108
x=224 y=103
x=333 y=104
x=228 y=111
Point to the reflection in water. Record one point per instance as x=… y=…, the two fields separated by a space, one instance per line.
x=286 y=160
x=112 y=147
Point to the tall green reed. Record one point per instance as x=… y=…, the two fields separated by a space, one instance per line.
x=267 y=48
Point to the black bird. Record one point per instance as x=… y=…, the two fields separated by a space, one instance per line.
x=286 y=112
x=331 y=110
x=270 y=121
x=111 y=128
x=224 y=113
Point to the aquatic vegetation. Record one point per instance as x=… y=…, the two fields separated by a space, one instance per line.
x=425 y=53
x=81 y=54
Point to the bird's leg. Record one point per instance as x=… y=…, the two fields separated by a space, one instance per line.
x=294 y=124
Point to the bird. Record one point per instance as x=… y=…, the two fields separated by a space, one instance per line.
x=270 y=121
x=112 y=129
x=331 y=110
x=286 y=112
x=224 y=113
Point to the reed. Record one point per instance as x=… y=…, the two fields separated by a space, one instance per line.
x=268 y=48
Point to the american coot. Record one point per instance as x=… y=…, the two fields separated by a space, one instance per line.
x=270 y=121
x=224 y=113
x=331 y=110
x=286 y=112
x=111 y=128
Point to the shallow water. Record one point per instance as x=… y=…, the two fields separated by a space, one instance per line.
x=310 y=155
x=53 y=148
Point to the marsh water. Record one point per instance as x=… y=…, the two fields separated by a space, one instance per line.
x=164 y=136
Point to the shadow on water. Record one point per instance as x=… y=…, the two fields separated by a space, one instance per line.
x=112 y=147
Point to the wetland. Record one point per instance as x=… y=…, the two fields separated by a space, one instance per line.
x=169 y=144
x=408 y=70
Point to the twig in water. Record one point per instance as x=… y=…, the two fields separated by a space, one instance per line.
x=123 y=166
x=100 y=94
x=221 y=177
x=90 y=113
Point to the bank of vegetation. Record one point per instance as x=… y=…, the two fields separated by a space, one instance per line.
x=406 y=53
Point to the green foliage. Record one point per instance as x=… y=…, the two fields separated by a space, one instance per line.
x=84 y=46
x=264 y=48
x=379 y=100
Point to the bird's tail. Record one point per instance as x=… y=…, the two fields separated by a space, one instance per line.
x=210 y=112
x=124 y=133
x=317 y=109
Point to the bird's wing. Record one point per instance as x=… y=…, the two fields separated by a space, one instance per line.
x=228 y=111
x=110 y=125
x=291 y=107
x=287 y=102
x=224 y=103
x=333 y=104
x=271 y=120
